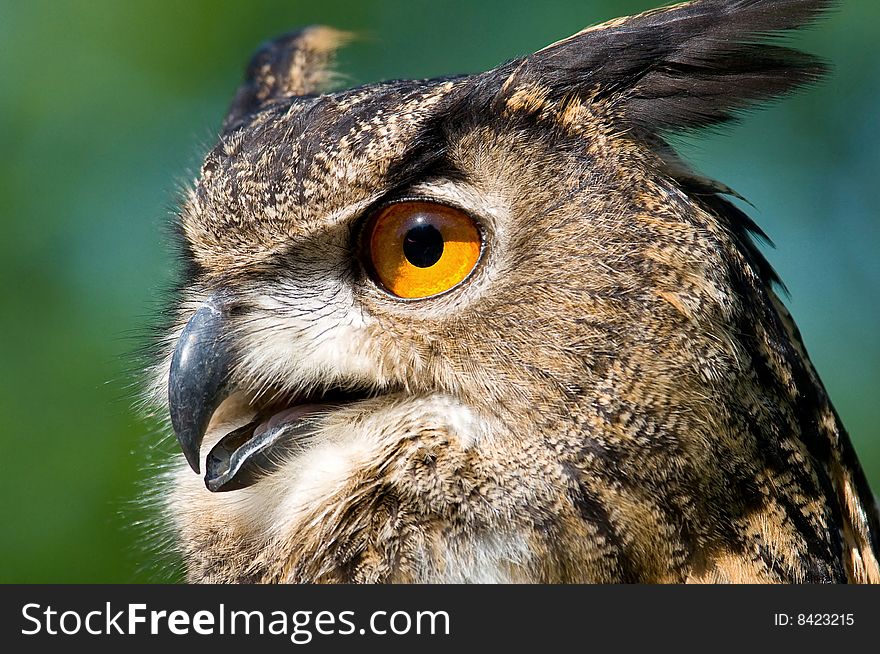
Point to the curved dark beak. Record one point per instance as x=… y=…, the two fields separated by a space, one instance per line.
x=199 y=378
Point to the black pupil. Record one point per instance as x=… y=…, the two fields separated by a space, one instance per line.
x=423 y=245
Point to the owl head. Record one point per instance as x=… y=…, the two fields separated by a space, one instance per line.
x=491 y=327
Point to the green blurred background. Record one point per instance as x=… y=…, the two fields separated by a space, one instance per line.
x=106 y=108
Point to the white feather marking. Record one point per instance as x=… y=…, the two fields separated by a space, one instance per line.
x=491 y=559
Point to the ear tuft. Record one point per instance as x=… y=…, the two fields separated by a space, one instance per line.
x=295 y=64
x=682 y=67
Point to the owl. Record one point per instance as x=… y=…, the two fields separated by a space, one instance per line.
x=492 y=328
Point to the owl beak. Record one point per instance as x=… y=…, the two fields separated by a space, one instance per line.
x=198 y=381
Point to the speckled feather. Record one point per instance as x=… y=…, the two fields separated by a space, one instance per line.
x=616 y=394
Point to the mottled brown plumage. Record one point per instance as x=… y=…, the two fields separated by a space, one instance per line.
x=614 y=394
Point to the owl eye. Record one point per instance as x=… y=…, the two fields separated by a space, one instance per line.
x=420 y=249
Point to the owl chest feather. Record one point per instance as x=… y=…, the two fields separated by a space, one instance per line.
x=436 y=507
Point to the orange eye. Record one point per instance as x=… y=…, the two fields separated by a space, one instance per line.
x=419 y=249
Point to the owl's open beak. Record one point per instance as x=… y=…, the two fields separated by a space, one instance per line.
x=198 y=381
